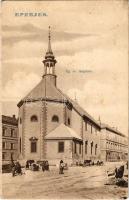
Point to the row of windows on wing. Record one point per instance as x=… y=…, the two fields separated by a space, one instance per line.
x=90 y=127
x=34 y=118
x=114 y=144
x=8 y=132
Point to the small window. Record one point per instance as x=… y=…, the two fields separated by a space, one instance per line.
x=68 y=121
x=34 y=118
x=55 y=118
x=33 y=147
x=61 y=147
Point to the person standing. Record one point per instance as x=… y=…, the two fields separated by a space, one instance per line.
x=61 y=167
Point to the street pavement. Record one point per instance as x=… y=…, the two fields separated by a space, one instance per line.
x=75 y=183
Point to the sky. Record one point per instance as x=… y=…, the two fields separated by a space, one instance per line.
x=90 y=43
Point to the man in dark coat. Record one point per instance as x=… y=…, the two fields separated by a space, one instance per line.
x=61 y=167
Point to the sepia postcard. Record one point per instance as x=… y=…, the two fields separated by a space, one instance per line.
x=64 y=99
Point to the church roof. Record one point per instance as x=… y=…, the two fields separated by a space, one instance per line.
x=47 y=90
x=44 y=90
x=63 y=132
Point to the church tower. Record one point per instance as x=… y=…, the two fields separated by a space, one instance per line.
x=49 y=63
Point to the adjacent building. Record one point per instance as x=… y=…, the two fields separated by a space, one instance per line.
x=9 y=138
x=52 y=126
x=114 y=145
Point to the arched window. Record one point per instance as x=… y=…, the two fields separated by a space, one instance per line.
x=34 y=118
x=55 y=118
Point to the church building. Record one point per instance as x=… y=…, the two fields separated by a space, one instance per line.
x=52 y=126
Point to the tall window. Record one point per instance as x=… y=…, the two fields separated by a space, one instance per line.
x=95 y=149
x=80 y=148
x=60 y=147
x=68 y=121
x=20 y=120
x=3 y=131
x=12 y=132
x=11 y=156
x=33 y=147
x=3 y=155
x=12 y=146
x=3 y=145
x=91 y=147
x=20 y=145
x=75 y=147
x=34 y=118
x=91 y=128
x=85 y=126
x=86 y=145
x=55 y=118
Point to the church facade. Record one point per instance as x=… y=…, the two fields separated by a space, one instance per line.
x=52 y=126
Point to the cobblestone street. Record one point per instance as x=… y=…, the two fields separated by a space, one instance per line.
x=75 y=183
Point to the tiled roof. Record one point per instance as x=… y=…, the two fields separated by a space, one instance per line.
x=63 y=132
x=79 y=109
x=43 y=90
x=9 y=120
x=112 y=129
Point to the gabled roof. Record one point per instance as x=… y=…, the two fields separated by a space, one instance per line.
x=63 y=132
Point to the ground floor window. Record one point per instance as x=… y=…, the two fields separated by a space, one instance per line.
x=95 y=149
x=86 y=144
x=33 y=144
x=33 y=147
x=80 y=148
x=91 y=147
x=60 y=147
x=75 y=147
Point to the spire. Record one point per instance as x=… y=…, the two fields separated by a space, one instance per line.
x=49 y=41
x=49 y=62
